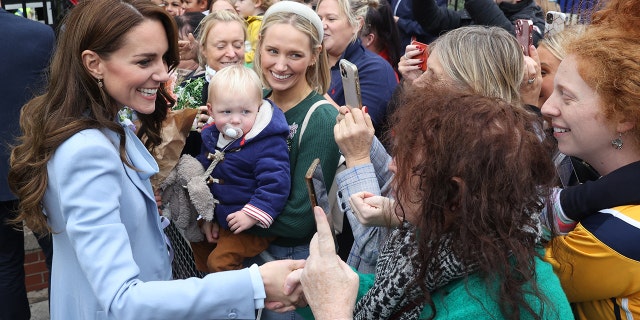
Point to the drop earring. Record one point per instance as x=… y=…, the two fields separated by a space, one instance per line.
x=617 y=142
x=100 y=83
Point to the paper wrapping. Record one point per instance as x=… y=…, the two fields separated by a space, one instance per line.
x=175 y=130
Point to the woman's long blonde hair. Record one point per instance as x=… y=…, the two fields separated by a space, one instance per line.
x=487 y=60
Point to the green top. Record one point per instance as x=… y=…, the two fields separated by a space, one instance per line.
x=472 y=299
x=296 y=225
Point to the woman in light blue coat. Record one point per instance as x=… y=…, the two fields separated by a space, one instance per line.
x=81 y=173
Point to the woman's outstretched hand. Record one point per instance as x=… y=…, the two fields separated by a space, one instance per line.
x=330 y=286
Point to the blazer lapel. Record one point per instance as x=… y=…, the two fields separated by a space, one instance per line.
x=140 y=158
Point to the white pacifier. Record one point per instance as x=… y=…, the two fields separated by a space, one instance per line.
x=232 y=132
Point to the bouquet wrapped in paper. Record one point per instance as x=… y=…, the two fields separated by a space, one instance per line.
x=176 y=127
x=175 y=130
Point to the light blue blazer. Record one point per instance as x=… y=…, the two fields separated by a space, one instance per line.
x=110 y=258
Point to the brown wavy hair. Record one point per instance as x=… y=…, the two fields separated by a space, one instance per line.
x=73 y=101
x=608 y=56
x=476 y=171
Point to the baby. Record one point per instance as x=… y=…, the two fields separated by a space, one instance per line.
x=251 y=180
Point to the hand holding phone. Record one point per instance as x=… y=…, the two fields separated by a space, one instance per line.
x=350 y=84
x=424 y=55
x=317 y=190
x=524 y=34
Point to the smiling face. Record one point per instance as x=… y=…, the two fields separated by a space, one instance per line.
x=578 y=121
x=285 y=55
x=133 y=73
x=174 y=7
x=224 y=45
x=548 y=67
x=338 y=33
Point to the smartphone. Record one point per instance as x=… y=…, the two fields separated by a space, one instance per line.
x=350 y=84
x=317 y=190
x=554 y=22
x=524 y=34
x=425 y=53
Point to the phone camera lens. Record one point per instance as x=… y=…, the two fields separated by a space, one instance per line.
x=549 y=18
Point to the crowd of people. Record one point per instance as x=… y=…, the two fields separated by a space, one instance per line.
x=475 y=181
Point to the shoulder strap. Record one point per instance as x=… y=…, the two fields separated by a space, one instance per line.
x=338 y=217
x=305 y=122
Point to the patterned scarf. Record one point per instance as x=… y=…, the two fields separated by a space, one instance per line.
x=397 y=267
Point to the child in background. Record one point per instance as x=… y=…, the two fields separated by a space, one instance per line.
x=252 y=11
x=252 y=180
x=195 y=6
x=174 y=7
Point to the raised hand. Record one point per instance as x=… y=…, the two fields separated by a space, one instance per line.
x=532 y=79
x=188 y=49
x=409 y=64
x=354 y=134
x=330 y=286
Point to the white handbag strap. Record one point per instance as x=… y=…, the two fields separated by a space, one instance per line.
x=305 y=122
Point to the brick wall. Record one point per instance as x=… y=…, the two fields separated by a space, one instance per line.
x=35 y=269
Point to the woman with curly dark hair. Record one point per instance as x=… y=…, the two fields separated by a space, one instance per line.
x=469 y=179
x=81 y=172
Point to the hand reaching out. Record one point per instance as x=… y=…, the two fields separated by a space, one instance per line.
x=202 y=118
x=330 y=286
x=188 y=49
x=274 y=274
x=373 y=210
x=240 y=221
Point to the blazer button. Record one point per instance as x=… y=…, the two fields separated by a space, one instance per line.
x=233 y=314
